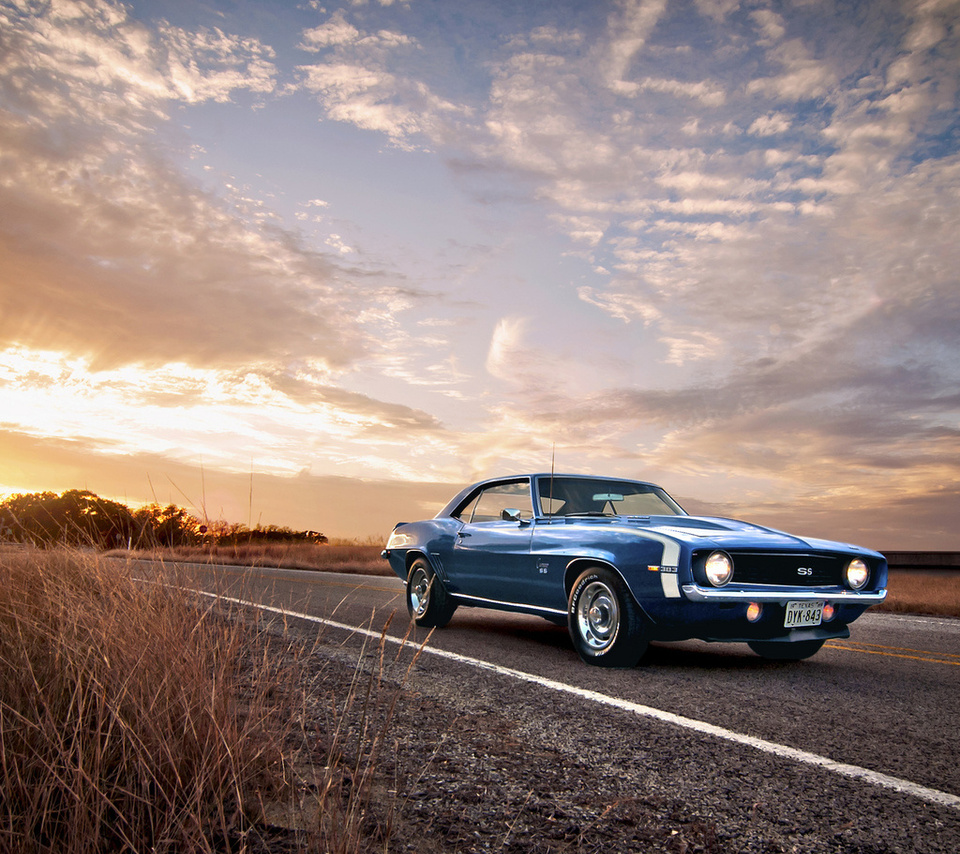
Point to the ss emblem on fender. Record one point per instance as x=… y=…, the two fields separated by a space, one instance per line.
x=804 y=570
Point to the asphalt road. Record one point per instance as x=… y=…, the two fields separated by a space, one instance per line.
x=886 y=701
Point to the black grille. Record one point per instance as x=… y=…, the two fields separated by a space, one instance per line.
x=803 y=570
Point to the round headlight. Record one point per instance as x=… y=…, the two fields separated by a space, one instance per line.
x=718 y=568
x=856 y=574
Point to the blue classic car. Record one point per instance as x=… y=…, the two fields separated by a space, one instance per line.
x=620 y=563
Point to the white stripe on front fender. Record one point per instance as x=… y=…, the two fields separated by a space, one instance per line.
x=669 y=582
x=669 y=561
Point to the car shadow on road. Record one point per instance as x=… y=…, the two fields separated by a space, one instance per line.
x=686 y=656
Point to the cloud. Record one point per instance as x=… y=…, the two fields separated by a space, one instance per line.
x=770 y=125
x=705 y=92
x=753 y=211
x=89 y=55
x=506 y=348
x=366 y=98
x=160 y=316
x=629 y=30
x=336 y=31
x=287 y=419
x=625 y=307
x=337 y=506
x=108 y=228
x=354 y=82
x=782 y=223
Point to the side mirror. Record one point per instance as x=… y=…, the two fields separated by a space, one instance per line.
x=510 y=514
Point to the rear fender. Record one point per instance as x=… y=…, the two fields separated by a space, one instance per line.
x=413 y=555
x=433 y=560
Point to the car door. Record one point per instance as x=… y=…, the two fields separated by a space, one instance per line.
x=490 y=558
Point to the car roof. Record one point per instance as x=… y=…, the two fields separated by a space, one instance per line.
x=534 y=475
x=460 y=496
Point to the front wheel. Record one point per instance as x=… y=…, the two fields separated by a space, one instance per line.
x=427 y=600
x=786 y=651
x=604 y=621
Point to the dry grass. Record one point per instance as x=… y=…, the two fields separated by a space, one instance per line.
x=919 y=592
x=121 y=721
x=354 y=811
x=359 y=558
x=133 y=720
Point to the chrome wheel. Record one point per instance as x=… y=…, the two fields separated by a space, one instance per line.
x=598 y=616
x=427 y=600
x=419 y=592
x=606 y=624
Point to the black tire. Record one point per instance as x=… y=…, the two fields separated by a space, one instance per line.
x=605 y=623
x=786 y=651
x=428 y=603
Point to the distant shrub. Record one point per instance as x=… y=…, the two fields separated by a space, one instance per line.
x=80 y=518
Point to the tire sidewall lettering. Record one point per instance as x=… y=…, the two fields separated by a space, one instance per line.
x=593 y=576
x=574 y=605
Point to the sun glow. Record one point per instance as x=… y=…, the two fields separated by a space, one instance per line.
x=222 y=417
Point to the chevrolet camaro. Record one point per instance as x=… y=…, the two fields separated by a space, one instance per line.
x=621 y=564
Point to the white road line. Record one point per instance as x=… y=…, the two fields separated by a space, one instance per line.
x=947 y=625
x=934 y=796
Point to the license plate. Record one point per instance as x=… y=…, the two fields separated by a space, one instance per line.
x=801 y=614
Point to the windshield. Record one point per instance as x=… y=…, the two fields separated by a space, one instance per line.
x=581 y=496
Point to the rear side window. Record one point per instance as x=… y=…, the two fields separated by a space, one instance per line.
x=489 y=503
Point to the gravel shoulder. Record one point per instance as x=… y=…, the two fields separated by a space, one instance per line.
x=471 y=761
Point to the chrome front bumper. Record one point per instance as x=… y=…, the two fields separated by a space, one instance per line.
x=696 y=593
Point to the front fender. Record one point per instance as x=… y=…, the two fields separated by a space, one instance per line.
x=647 y=562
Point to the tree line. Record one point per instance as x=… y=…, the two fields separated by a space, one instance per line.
x=80 y=518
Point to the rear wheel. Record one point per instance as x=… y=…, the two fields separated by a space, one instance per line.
x=604 y=621
x=428 y=603
x=786 y=651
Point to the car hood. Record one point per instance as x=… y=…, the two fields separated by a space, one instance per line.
x=732 y=533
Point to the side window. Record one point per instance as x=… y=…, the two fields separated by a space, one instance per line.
x=554 y=498
x=466 y=512
x=495 y=499
x=552 y=506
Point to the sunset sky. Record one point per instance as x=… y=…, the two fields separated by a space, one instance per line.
x=320 y=264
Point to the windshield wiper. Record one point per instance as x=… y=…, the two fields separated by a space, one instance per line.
x=591 y=513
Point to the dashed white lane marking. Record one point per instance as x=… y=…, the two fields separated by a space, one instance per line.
x=934 y=796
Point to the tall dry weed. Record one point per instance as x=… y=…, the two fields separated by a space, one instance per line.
x=121 y=723
x=135 y=719
x=355 y=812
